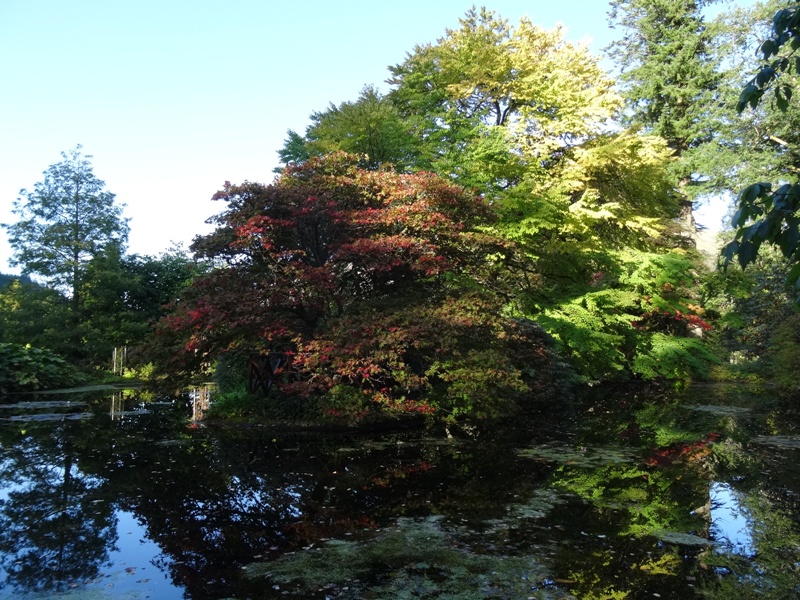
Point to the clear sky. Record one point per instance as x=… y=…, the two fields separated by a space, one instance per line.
x=174 y=97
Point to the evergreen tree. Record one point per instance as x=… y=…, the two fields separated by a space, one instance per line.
x=768 y=213
x=68 y=219
x=371 y=128
x=670 y=75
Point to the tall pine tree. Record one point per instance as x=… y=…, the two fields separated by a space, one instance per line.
x=670 y=76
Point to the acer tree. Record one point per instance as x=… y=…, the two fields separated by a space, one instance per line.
x=380 y=286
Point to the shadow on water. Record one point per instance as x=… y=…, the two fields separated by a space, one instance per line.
x=626 y=493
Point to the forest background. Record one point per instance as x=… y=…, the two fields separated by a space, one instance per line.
x=505 y=221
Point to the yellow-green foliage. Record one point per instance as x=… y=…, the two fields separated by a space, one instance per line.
x=619 y=187
x=594 y=331
x=631 y=319
x=671 y=357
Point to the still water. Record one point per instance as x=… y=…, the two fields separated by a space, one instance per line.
x=625 y=493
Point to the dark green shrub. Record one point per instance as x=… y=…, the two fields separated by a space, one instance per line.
x=27 y=369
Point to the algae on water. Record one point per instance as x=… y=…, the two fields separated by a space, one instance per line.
x=416 y=558
x=582 y=457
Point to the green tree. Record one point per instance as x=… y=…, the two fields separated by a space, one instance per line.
x=371 y=128
x=158 y=281
x=670 y=82
x=668 y=71
x=32 y=314
x=294 y=150
x=64 y=222
x=123 y=297
x=496 y=104
x=767 y=212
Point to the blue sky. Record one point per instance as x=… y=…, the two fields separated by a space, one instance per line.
x=174 y=97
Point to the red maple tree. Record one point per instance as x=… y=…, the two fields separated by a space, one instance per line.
x=385 y=289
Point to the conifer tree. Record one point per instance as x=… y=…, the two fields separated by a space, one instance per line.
x=64 y=222
x=669 y=74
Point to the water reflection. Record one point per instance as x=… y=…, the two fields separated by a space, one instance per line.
x=56 y=522
x=201 y=400
x=621 y=495
x=730 y=525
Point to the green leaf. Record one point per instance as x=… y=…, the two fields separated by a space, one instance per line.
x=780 y=20
x=747 y=253
x=740 y=217
x=769 y=48
x=729 y=251
x=751 y=231
x=746 y=97
x=793 y=277
x=751 y=192
x=793 y=239
x=764 y=77
x=763 y=230
x=793 y=198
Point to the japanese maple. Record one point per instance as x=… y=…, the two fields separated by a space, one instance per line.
x=379 y=286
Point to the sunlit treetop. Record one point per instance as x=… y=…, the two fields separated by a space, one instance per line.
x=511 y=98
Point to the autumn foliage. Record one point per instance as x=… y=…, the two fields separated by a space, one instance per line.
x=379 y=286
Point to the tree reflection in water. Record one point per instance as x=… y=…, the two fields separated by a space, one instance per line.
x=614 y=496
x=56 y=523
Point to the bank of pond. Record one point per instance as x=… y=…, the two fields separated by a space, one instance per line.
x=621 y=492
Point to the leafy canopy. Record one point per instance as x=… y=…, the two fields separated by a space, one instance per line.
x=495 y=103
x=371 y=128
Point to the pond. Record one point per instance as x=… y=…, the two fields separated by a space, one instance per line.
x=625 y=493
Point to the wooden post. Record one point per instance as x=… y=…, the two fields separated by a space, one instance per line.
x=119 y=359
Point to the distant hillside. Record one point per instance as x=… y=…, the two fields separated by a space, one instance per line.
x=6 y=279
